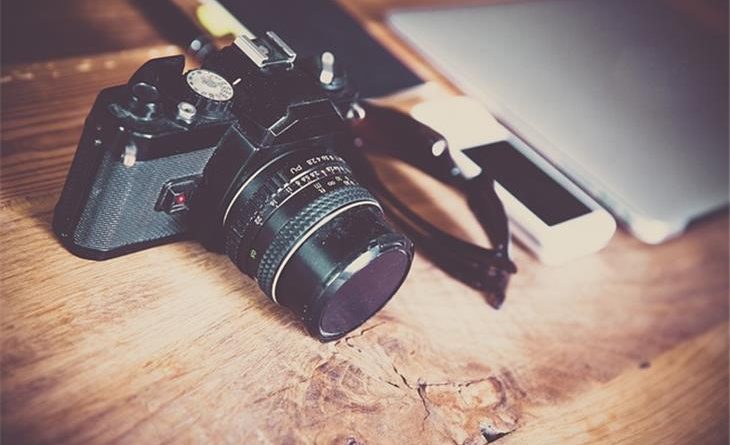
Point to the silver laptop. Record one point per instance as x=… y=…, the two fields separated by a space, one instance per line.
x=627 y=97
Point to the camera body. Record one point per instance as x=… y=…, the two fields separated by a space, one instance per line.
x=140 y=164
x=246 y=154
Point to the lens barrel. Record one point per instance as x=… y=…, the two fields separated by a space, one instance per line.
x=351 y=265
x=314 y=239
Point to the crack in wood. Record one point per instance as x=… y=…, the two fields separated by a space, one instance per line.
x=402 y=377
x=489 y=432
x=424 y=400
x=464 y=384
x=362 y=332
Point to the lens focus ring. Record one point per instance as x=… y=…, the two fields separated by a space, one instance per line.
x=295 y=231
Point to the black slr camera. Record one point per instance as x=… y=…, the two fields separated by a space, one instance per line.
x=248 y=155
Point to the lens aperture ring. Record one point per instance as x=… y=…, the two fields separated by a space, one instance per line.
x=290 y=176
x=244 y=210
x=262 y=233
x=299 y=228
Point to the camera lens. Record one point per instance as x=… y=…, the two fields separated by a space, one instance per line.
x=314 y=239
x=353 y=264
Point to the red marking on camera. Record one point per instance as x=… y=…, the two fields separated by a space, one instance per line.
x=181 y=198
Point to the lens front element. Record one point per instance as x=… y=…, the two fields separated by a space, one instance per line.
x=362 y=289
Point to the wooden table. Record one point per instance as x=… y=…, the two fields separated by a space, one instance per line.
x=174 y=345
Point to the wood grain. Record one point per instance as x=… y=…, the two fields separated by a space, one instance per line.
x=174 y=345
x=39 y=30
x=637 y=408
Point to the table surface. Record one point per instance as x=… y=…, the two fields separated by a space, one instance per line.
x=174 y=345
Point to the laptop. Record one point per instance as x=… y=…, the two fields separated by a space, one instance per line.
x=627 y=97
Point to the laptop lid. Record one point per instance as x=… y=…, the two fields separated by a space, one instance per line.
x=629 y=97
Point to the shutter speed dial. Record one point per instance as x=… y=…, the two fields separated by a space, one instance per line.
x=211 y=93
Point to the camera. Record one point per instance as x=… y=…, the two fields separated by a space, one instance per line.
x=247 y=154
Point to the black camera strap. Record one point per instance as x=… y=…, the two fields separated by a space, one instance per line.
x=386 y=131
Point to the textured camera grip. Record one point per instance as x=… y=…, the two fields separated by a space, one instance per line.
x=120 y=209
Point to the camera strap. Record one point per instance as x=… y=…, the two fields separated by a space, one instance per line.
x=385 y=131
